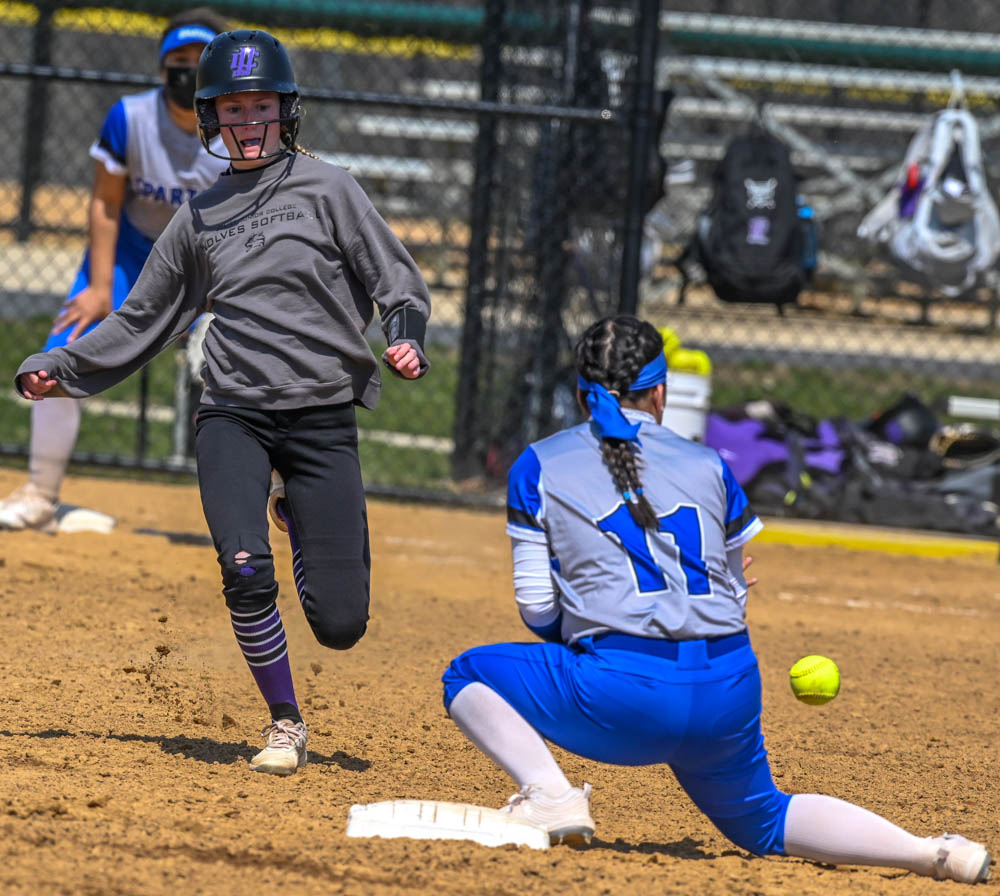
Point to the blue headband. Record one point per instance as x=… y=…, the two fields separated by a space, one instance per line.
x=183 y=35
x=604 y=408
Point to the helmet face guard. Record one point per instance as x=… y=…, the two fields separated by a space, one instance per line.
x=239 y=62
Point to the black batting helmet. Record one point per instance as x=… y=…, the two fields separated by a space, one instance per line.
x=239 y=61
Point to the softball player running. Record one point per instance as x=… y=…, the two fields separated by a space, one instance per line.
x=149 y=160
x=628 y=560
x=291 y=257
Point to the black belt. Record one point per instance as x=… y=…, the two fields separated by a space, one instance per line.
x=668 y=649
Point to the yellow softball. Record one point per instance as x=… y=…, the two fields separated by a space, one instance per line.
x=815 y=680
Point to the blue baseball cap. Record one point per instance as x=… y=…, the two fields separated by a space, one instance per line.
x=183 y=35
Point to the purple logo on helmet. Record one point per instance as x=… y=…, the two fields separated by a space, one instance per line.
x=244 y=61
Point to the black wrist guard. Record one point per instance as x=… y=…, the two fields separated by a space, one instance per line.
x=406 y=325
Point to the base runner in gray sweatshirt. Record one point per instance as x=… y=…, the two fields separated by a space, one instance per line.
x=291 y=257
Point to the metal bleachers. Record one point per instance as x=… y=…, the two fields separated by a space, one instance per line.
x=846 y=98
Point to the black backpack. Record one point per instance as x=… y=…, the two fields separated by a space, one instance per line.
x=756 y=240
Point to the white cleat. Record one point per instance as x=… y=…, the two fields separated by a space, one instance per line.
x=285 y=752
x=566 y=818
x=29 y=508
x=960 y=859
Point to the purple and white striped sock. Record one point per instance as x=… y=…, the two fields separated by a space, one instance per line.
x=261 y=637
x=298 y=573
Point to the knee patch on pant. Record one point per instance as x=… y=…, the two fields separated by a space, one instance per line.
x=248 y=583
x=335 y=594
x=336 y=633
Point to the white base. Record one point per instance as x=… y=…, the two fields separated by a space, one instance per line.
x=70 y=518
x=431 y=820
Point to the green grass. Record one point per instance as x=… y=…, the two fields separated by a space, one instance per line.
x=855 y=394
x=426 y=407
x=99 y=434
x=422 y=407
x=389 y=465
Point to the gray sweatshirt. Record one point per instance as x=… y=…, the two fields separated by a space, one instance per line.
x=290 y=259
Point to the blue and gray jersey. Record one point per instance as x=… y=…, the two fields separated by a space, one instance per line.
x=612 y=575
x=165 y=165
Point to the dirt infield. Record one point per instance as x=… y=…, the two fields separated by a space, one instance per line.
x=129 y=717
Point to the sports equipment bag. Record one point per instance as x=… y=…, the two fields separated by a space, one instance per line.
x=791 y=464
x=939 y=222
x=756 y=240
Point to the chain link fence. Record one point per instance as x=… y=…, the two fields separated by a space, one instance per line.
x=846 y=90
x=545 y=161
x=846 y=86
x=408 y=97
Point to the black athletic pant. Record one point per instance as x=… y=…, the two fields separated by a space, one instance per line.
x=316 y=452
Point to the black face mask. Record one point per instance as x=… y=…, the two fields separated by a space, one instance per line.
x=180 y=85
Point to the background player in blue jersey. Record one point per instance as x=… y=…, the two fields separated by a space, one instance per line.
x=628 y=561
x=149 y=159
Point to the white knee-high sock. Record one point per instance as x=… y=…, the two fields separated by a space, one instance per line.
x=825 y=829
x=55 y=423
x=494 y=726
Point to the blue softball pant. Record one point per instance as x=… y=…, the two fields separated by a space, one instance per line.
x=131 y=252
x=698 y=713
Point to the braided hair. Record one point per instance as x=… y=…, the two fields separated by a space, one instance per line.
x=611 y=353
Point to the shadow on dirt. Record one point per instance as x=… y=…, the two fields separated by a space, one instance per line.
x=201 y=749
x=685 y=848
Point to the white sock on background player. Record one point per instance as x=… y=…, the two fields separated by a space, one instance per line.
x=497 y=729
x=55 y=424
x=825 y=829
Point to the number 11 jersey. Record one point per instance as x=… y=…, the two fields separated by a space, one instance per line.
x=611 y=575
